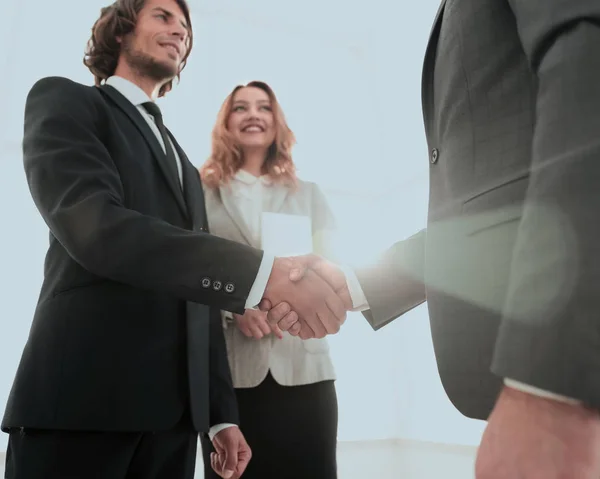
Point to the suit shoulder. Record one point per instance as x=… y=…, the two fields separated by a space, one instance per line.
x=311 y=187
x=62 y=87
x=311 y=191
x=305 y=187
x=57 y=96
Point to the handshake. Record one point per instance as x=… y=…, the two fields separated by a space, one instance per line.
x=306 y=296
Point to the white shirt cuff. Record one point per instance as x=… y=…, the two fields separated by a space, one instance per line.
x=260 y=283
x=217 y=428
x=359 y=300
x=526 y=388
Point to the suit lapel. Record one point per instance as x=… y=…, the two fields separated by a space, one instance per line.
x=278 y=198
x=141 y=124
x=234 y=213
x=428 y=67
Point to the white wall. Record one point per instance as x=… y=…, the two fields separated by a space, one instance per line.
x=348 y=77
x=391 y=459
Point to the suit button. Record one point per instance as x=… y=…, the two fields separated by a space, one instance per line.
x=229 y=288
x=206 y=282
x=435 y=154
x=217 y=285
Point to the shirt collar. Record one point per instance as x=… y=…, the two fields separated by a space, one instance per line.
x=129 y=90
x=249 y=179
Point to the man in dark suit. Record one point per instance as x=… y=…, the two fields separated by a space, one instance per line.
x=510 y=262
x=126 y=362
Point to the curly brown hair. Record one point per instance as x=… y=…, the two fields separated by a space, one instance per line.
x=226 y=157
x=117 y=20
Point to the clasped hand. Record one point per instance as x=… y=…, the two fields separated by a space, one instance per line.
x=232 y=453
x=306 y=296
x=253 y=324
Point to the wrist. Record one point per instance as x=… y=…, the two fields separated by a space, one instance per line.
x=533 y=401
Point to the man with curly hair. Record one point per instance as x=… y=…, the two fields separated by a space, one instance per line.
x=126 y=362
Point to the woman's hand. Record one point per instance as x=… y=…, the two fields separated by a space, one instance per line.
x=253 y=324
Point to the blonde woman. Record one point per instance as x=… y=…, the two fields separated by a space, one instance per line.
x=284 y=385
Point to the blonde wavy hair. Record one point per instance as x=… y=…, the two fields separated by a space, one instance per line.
x=226 y=156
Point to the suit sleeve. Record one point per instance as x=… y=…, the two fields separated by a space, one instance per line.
x=550 y=334
x=223 y=403
x=395 y=285
x=76 y=186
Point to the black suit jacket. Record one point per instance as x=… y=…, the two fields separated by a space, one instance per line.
x=510 y=259
x=127 y=333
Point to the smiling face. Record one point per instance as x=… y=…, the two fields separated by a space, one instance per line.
x=158 y=45
x=251 y=120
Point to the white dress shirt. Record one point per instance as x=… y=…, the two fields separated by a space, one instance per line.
x=137 y=97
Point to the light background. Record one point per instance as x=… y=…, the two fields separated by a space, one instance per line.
x=348 y=78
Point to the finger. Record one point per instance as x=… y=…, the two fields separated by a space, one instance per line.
x=243 y=460
x=297 y=274
x=301 y=266
x=295 y=329
x=311 y=294
x=265 y=305
x=337 y=308
x=277 y=313
x=244 y=455
x=217 y=446
x=331 y=322
x=306 y=331
x=315 y=322
x=276 y=331
x=264 y=327
x=246 y=331
x=326 y=318
x=231 y=461
x=214 y=464
x=331 y=314
x=256 y=332
x=217 y=464
x=288 y=321
x=344 y=295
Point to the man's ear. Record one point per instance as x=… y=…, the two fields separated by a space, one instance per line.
x=119 y=39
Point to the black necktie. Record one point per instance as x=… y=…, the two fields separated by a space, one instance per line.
x=154 y=110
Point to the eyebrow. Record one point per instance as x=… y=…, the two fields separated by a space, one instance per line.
x=170 y=15
x=246 y=102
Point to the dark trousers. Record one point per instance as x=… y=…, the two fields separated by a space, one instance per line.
x=292 y=431
x=45 y=454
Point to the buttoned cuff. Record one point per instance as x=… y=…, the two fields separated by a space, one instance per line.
x=260 y=283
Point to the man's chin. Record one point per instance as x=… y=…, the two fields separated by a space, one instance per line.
x=161 y=70
x=164 y=75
